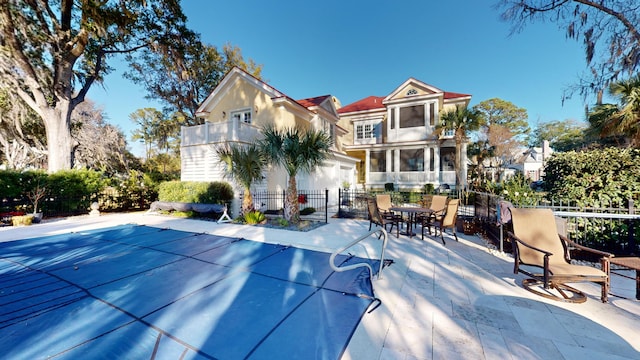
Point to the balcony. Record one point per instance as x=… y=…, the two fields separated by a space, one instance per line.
x=411 y=178
x=209 y=133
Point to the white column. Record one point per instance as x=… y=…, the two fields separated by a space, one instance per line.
x=425 y=169
x=463 y=165
x=436 y=164
x=367 y=170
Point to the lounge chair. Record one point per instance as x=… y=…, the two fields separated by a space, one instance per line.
x=446 y=221
x=537 y=244
x=376 y=217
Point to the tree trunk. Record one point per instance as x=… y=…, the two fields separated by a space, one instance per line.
x=458 y=162
x=59 y=141
x=247 y=201
x=291 y=210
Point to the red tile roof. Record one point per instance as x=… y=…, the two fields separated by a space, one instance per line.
x=368 y=103
x=314 y=101
x=452 y=95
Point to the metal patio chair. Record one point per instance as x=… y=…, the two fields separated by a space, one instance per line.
x=544 y=256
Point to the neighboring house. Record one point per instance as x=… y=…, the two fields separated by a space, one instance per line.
x=532 y=162
x=395 y=139
x=235 y=112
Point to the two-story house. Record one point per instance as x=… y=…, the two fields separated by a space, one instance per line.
x=532 y=161
x=236 y=111
x=395 y=139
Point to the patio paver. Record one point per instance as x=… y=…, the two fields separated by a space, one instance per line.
x=459 y=301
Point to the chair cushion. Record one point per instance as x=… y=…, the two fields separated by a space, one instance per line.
x=537 y=227
x=572 y=269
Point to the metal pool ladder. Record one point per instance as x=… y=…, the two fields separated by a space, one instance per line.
x=383 y=235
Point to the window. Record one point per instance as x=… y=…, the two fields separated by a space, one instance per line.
x=412 y=116
x=432 y=114
x=378 y=161
x=328 y=128
x=412 y=160
x=242 y=116
x=432 y=155
x=412 y=92
x=392 y=119
x=447 y=159
x=367 y=130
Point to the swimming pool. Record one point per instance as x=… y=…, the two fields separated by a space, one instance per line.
x=140 y=292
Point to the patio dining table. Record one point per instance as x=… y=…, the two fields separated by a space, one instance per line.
x=411 y=212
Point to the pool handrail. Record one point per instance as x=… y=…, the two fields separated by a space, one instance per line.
x=384 y=235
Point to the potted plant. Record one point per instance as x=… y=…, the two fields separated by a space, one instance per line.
x=35 y=196
x=469 y=226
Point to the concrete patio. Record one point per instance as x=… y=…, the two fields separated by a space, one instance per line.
x=459 y=301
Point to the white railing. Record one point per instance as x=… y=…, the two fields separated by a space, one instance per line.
x=219 y=132
x=447 y=134
x=415 y=177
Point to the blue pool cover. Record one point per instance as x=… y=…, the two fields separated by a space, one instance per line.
x=138 y=292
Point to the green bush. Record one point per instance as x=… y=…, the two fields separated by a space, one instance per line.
x=594 y=178
x=599 y=178
x=517 y=190
x=254 y=217
x=195 y=192
x=307 y=211
x=428 y=188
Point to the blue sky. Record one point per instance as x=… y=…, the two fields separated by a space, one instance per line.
x=354 y=49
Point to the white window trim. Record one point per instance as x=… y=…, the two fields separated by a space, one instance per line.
x=372 y=132
x=242 y=113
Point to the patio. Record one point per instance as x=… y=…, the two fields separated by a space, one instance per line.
x=461 y=301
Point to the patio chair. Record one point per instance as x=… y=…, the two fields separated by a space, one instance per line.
x=543 y=255
x=375 y=217
x=384 y=205
x=438 y=204
x=425 y=201
x=447 y=221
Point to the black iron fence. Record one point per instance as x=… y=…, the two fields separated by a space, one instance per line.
x=60 y=206
x=613 y=226
x=313 y=204
x=353 y=203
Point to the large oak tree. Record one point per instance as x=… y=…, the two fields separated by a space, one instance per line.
x=51 y=53
x=609 y=30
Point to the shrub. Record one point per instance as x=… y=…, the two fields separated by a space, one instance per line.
x=389 y=187
x=195 y=192
x=307 y=211
x=254 y=217
x=517 y=190
x=22 y=220
x=428 y=188
x=594 y=178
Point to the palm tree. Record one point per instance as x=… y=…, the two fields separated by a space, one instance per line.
x=244 y=164
x=295 y=150
x=623 y=119
x=460 y=120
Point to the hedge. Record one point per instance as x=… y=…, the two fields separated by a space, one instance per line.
x=216 y=192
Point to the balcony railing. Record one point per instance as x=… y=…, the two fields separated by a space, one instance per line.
x=217 y=132
x=413 y=177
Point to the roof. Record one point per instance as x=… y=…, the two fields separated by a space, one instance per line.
x=452 y=95
x=314 y=101
x=368 y=103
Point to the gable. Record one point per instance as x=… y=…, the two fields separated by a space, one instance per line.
x=236 y=78
x=324 y=103
x=413 y=89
